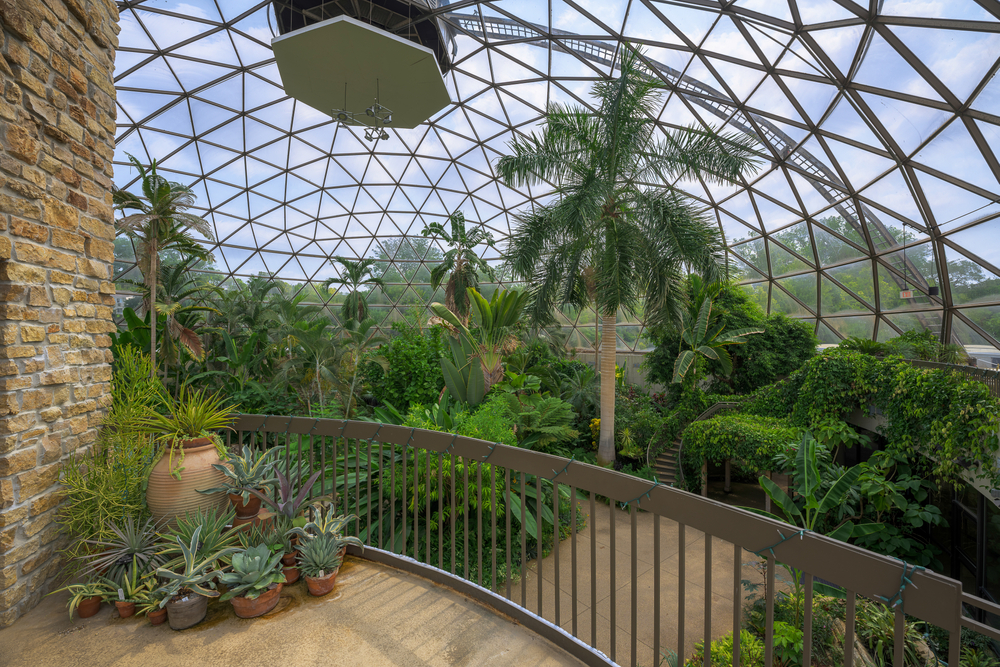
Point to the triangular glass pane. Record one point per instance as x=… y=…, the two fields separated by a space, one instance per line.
x=845 y=121
x=690 y=24
x=802 y=287
x=811 y=192
x=883 y=67
x=989 y=97
x=153 y=76
x=856 y=277
x=861 y=167
x=753 y=252
x=952 y=9
x=769 y=40
x=953 y=206
x=970 y=282
x=814 y=98
x=758 y=293
x=735 y=231
x=859 y=326
x=831 y=249
x=909 y=124
x=826 y=335
x=740 y=79
x=741 y=271
x=822 y=11
x=783 y=262
x=796 y=239
x=799 y=59
x=769 y=98
x=954 y=140
x=923 y=321
x=840 y=44
x=776 y=8
x=986 y=318
x=981 y=240
x=976 y=345
x=893 y=193
x=892 y=284
x=955 y=57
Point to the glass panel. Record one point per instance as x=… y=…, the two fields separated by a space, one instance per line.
x=826 y=334
x=802 y=287
x=987 y=318
x=831 y=249
x=856 y=277
x=783 y=262
x=848 y=327
x=970 y=282
x=757 y=293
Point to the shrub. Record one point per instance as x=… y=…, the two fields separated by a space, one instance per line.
x=751 y=651
x=750 y=440
x=413 y=373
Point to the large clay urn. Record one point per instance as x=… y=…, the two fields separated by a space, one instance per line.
x=169 y=497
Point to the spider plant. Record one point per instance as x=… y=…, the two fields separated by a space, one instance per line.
x=191 y=415
x=98 y=586
x=133 y=549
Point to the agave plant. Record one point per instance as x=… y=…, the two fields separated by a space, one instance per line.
x=132 y=550
x=327 y=524
x=288 y=503
x=246 y=471
x=320 y=556
x=197 y=572
x=254 y=570
x=210 y=525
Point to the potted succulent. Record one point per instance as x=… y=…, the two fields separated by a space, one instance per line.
x=151 y=606
x=287 y=506
x=132 y=590
x=185 y=593
x=245 y=471
x=254 y=582
x=132 y=549
x=85 y=599
x=319 y=561
x=187 y=434
x=213 y=538
x=327 y=523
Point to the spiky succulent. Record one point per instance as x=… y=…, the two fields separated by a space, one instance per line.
x=131 y=551
x=246 y=471
x=327 y=523
x=320 y=556
x=197 y=574
x=214 y=538
x=254 y=570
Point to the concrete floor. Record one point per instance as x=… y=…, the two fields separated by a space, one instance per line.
x=375 y=617
x=724 y=601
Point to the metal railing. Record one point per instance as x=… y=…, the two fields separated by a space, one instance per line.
x=439 y=498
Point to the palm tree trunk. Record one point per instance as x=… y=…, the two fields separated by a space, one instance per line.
x=606 y=447
x=151 y=279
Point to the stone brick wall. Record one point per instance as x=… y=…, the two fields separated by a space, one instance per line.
x=57 y=125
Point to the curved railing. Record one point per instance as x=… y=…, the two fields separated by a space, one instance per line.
x=435 y=498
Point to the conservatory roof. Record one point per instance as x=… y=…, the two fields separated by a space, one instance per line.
x=877 y=121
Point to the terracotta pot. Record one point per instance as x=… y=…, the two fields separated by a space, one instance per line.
x=291 y=574
x=265 y=602
x=169 y=498
x=125 y=609
x=189 y=610
x=89 y=607
x=245 y=513
x=320 y=586
x=157 y=617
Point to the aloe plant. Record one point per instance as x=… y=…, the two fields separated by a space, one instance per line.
x=320 y=556
x=197 y=574
x=245 y=471
x=254 y=570
x=327 y=524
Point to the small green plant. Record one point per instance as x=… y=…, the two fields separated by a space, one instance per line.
x=973 y=657
x=132 y=550
x=320 y=556
x=196 y=573
x=288 y=503
x=327 y=524
x=80 y=592
x=210 y=525
x=787 y=645
x=268 y=536
x=751 y=651
x=245 y=471
x=254 y=570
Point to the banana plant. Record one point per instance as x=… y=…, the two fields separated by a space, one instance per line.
x=703 y=338
x=490 y=339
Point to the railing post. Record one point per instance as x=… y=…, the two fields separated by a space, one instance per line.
x=704 y=478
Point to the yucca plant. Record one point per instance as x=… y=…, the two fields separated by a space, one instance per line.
x=320 y=556
x=245 y=471
x=254 y=570
x=197 y=572
x=210 y=525
x=132 y=549
x=327 y=524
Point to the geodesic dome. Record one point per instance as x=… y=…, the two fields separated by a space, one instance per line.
x=877 y=122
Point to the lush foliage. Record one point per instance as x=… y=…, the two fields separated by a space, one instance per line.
x=750 y=440
x=947 y=416
x=461 y=265
x=412 y=372
x=783 y=347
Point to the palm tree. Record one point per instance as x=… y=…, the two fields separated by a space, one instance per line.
x=177 y=291
x=359 y=339
x=618 y=233
x=161 y=222
x=461 y=264
x=356 y=275
x=314 y=367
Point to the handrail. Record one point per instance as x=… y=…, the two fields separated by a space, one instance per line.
x=317 y=442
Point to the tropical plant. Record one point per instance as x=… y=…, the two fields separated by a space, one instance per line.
x=133 y=587
x=460 y=264
x=196 y=570
x=580 y=388
x=214 y=538
x=245 y=471
x=488 y=341
x=157 y=220
x=254 y=570
x=809 y=509
x=181 y=316
x=320 y=556
x=289 y=501
x=263 y=534
x=80 y=592
x=326 y=523
x=606 y=240
x=131 y=551
x=313 y=368
x=704 y=337
x=192 y=414
x=541 y=420
x=721 y=650
x=152 y=601
x=355 y=277
x=360 y=340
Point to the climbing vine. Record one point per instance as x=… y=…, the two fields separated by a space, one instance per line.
x=749 y=440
